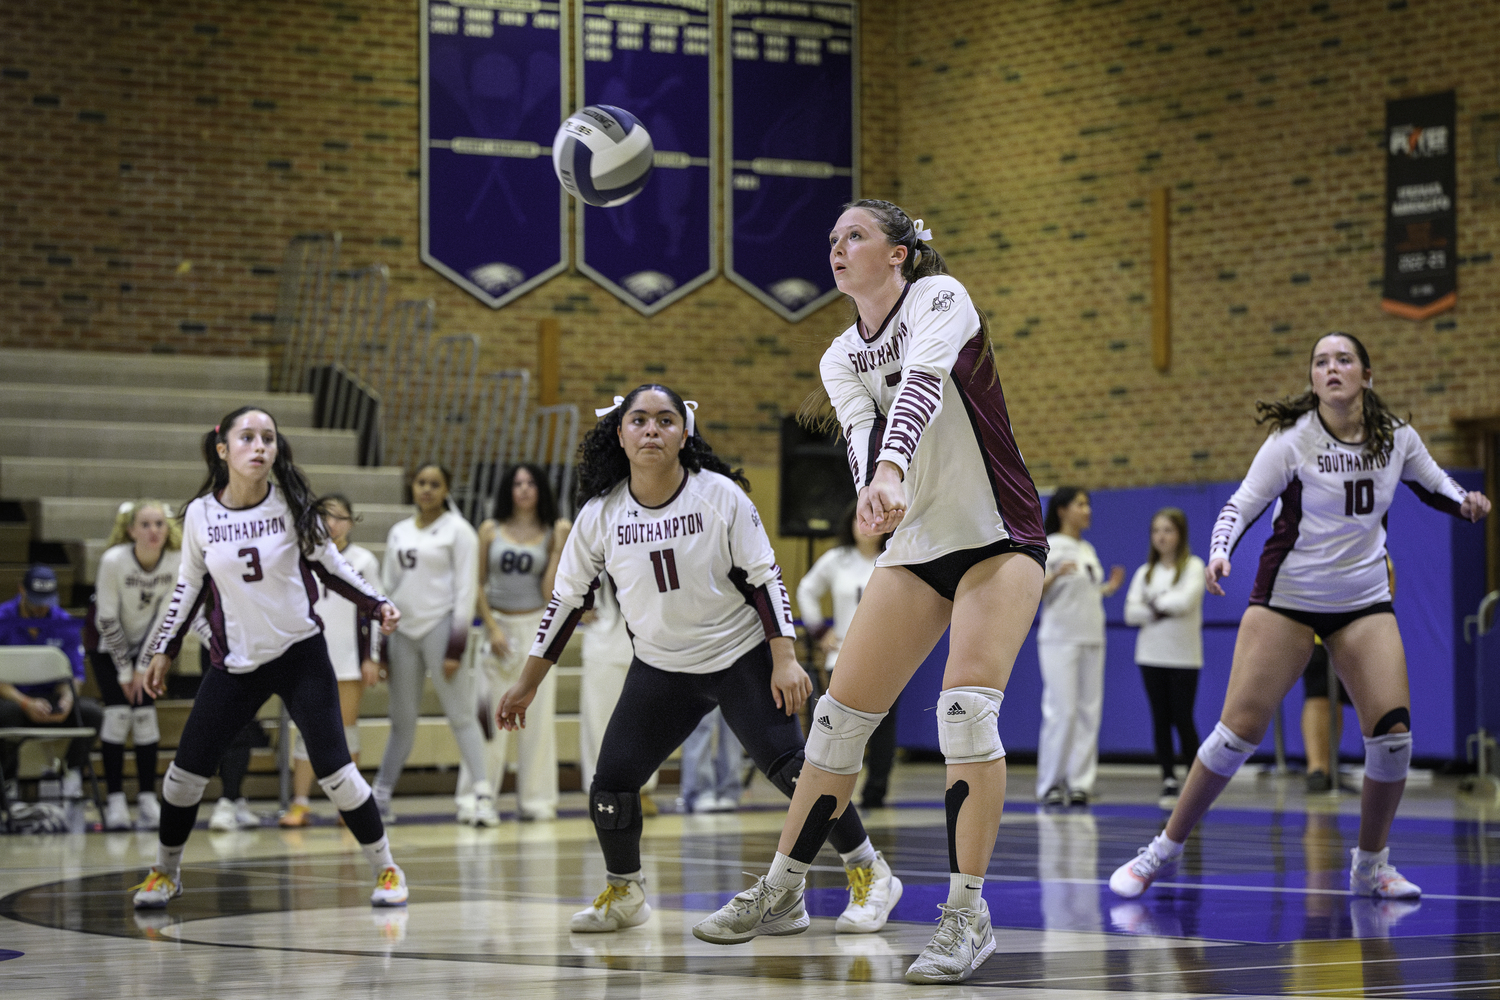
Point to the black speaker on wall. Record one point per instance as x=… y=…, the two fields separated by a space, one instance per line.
x=816 y=485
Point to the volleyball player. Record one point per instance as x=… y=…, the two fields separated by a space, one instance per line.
x=431 y=571
x=521 y=546
x=135 y=576
x=350 y=649
x=914 y=386
x=1331 y=465
x=699 y=588
x=253 y=554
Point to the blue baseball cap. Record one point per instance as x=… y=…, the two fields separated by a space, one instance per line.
x=40 y=584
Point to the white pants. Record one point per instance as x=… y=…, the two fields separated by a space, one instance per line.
x=606 y=660
x=1072 y=701
x=536 y=750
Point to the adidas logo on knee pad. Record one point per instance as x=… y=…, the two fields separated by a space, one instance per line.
x=956 y=709
x=825 y=723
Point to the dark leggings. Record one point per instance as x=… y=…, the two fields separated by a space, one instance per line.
x=226 y=703
x=658 y=709
x=114 y=753
x=1172 y=691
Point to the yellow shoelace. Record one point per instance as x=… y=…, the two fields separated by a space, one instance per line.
x=611 y=892
x=860 y=880
x=389 y=879
x=154 y=880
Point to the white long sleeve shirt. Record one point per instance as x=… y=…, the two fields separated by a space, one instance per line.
x=245 y=569
x=845 y=572
x=1326 y=552
x=432 y=574
x=128 y=601
x=1169 y=614
x=349 y=634
x=1073 y=607
x=696 y=577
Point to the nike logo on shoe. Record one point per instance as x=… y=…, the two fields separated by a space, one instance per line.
x=773 y=915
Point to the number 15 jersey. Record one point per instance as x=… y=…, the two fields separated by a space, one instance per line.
x=696 y=578
x=1326 y=552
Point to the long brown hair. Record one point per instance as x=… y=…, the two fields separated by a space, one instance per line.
x=300 y=499
x=1380 y=423
x=1179 y=521
x=922 y=261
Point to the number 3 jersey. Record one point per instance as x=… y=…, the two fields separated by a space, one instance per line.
x=696 y=579
x=1326 y=552
x=256 y=588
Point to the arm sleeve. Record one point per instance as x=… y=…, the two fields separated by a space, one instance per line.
x=755 y=572
x=1137 y=611
x=1425 y=477
x=573 y=589
x=188 y=594
x=1186 y=595
x=856 y=411
x=944 y=320
x=810 y=591
x=465 y=587
x=1268 y=477
x=112 y=638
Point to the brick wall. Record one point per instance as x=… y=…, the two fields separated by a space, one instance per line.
x=154 y=158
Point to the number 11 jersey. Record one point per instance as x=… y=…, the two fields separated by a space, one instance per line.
x=1326 y=552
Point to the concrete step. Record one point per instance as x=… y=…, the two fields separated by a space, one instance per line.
x=163 y=371
x=73 y=519
x=185 y=404
x=112 y=439
x=32 y=478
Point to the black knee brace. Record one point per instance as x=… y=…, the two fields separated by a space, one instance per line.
x=614 y=810
x=785 y=771
x=1388 y=721
x=953 y=801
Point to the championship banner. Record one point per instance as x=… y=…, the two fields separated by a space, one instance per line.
x=1421 y=191
x=656 y=61
x=792 y=97
x=494 y=73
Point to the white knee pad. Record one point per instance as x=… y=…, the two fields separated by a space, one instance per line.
x=144 y=726
x=1224 y=753
x=346 y=788
x=182 y=788
x=351 y=737
x=299 y=749
x=839 y=734
x=116 y=724
x=969 y=725
x=1388 y=757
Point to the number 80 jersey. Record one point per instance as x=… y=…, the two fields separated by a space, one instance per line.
x=696 y=578
x=1326 y=552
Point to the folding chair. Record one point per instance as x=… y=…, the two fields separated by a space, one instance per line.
x=42 y=665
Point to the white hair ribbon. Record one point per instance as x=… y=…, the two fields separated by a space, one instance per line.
x=923 y=234
x=692 y=407
x=605 y=411
x=691 y=404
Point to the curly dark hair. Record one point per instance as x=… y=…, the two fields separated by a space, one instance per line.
x=1380 y=423
x=546 y=501
x=602 y=464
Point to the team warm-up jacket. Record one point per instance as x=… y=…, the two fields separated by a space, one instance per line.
x=256 y=588
x=129 y=601
x=432 y=574
x=1326 y=552
x=922 y=392
x=696 y=578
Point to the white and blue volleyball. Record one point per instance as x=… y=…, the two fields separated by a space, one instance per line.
x=603 y=155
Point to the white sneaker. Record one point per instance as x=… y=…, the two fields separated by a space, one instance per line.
x=964 y=940
x=873 y=894
x=622 y=904
x=116 y=812
x=72 y=784
x=223 y=820
x=158 y=888
x=148 y=812
x=1135 y=876
x=245 y=819
x=1379 y=878
x=484 y=811
x=464 y=812
x=390 y=888
x=760 y=909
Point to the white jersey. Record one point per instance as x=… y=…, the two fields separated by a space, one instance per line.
x=922 y=392
x=845 y=572
x=246 y=570
x=1167 y=606
x=696 y=579
x=1073 y=607
x=1326 y=552
x=347 y=632
x=432 y=574
x=128 y=600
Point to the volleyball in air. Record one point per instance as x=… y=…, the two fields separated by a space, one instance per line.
x=603 y=155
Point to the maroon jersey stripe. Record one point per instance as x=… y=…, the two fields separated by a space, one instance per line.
x=1283 y=539
x=984 y=400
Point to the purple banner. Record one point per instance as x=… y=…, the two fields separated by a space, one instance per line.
x=655 y=60
x=792 y=147
x=494 y=217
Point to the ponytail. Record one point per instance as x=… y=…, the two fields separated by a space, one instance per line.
x=300 y=499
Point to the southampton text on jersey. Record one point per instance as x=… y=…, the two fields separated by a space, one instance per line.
x=867 y=361
x=245 y=530
x=659 y=531
x=1342 y=461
